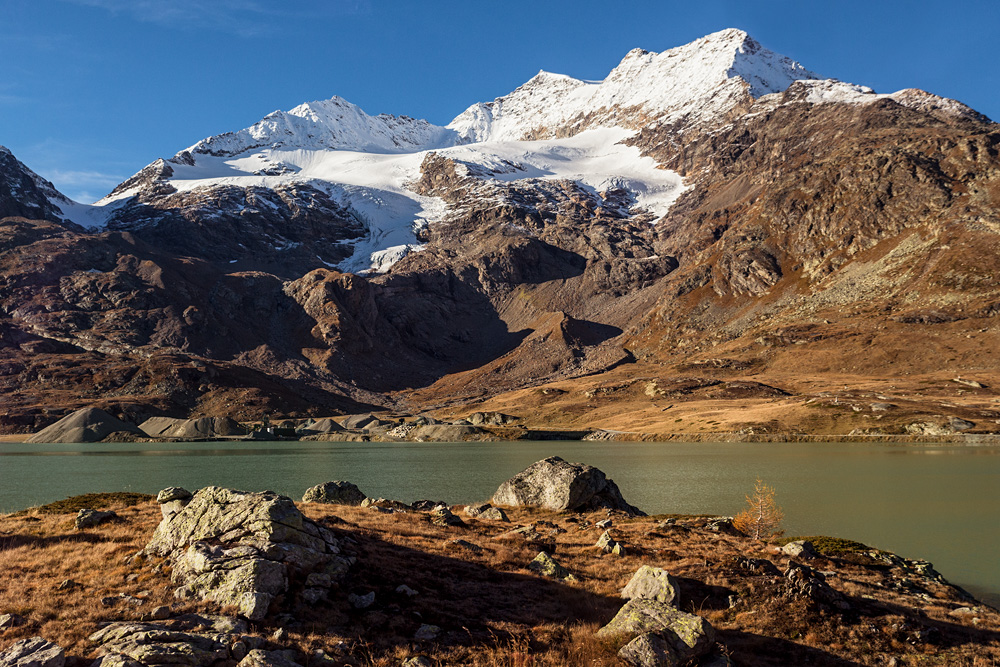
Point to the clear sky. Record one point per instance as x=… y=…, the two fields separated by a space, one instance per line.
x=93 y=90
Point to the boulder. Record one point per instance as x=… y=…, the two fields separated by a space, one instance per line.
x=476 y=509
x=546 y=566
x=242 y=549
x=442 y=516
x=653 y=583
x=85 y=425
x=557 y=485
x=494 y=514
x=688 y=635
x=88 y=518
x=191 y=429
x=649 y=650
x=334 y=493
x=799 y=549
x=33 y=652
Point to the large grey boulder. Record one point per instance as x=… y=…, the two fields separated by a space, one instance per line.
x=688 y=635
x=554 y=484
x=242 y=549
x=653 y=583
x=649 y=650
x=191 y=429
x=85 y=425
x=33 y=652
x=334 y=493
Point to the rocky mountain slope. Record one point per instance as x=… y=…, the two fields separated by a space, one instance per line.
x=704 y=217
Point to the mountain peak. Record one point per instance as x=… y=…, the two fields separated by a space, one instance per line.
x=696 y=82
x=332 y=124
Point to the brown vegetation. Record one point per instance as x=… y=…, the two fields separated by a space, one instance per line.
x=493 y=611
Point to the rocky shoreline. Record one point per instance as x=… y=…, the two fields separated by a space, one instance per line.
x=95 y=425
x=555 y=569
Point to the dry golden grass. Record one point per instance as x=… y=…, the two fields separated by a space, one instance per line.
x=492 y=610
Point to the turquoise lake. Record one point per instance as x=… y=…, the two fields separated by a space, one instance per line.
x=941 y=503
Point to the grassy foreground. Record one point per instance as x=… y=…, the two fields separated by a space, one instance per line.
x=491 y=609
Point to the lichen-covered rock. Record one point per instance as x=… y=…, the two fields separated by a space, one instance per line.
x=546 y=566
x=172 y=493
x=337 y=492
x=172 y=500
x=33 y=652
x=494 y=514
x=799 y=549
x=554 y=484
x=88 y=518
x=242 y=549
x=442 y=516
x=653 y=583
x=126 y=643
x=649 y=650
x=690 y=636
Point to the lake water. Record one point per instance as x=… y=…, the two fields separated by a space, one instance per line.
x=941 y=503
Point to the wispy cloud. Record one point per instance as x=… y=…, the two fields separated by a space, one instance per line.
x=243 y=17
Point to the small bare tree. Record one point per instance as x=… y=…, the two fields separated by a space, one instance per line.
x=762 y=517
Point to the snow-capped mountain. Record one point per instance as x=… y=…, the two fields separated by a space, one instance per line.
x=333 y=124
x=355 y=170
x=705 y=214
x=697 y=82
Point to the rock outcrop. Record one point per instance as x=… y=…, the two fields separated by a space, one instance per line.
x=192 y=640
x=242 y=549
x=658 y=631
x=84 y=425
x=33 y=652
x=554 y=484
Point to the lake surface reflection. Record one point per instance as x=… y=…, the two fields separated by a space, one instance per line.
x=941 y=503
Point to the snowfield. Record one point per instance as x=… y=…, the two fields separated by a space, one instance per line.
x=365 y=162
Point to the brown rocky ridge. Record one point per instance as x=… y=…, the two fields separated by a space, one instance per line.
x=829 y=270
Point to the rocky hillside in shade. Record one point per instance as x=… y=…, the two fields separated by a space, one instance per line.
x=709 y=225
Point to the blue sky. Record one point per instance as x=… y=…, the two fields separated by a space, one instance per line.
x=93 y=90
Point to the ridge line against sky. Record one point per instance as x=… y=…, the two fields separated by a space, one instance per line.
x=93 y=90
